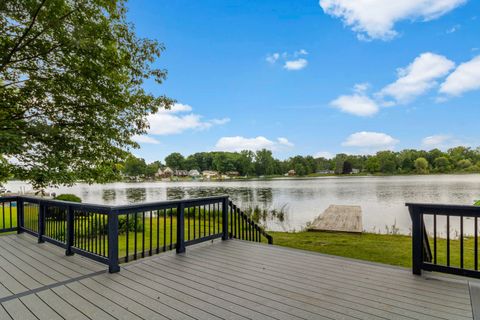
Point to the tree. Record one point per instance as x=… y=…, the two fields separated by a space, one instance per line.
x=175 y=161
x=264 y=162
x=464 y=164
x=372 y=164
x=71 y=94
x=152 y=168
x=347 y=167
x=442 y=164
x=387 y=161
x=421 y=165
x=135 y=167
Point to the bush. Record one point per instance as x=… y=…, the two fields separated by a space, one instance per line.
x=68 y=197
x=123 y=227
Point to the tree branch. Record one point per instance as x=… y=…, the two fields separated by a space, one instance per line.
x=22 y=37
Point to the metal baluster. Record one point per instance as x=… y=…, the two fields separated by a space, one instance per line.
x=476 y=243
x=127 y=233
x=435 y=239
x=461 y=242
x=448 y=240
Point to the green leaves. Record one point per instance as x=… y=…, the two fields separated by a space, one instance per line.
x=71 y=95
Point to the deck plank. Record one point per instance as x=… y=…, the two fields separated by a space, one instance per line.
x=234 y=279
x=39 y=308
x=18 y=311
x=63 y=308
x=75 y=300
x=333 y=278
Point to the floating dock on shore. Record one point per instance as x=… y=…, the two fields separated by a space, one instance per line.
x=339 y=218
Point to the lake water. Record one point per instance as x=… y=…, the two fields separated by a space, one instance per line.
x=382 y=198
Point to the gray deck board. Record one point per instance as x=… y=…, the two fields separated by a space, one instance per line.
x=221 y=280
x=39 y=308
x=17 y=310
x=282 y=270
x=61 y=306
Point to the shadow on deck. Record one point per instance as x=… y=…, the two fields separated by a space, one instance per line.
x=220 y=280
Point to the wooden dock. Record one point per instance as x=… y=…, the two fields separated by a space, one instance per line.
x=231 y=279
x=339 y=218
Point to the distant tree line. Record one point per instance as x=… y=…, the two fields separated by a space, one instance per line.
x=262 y=163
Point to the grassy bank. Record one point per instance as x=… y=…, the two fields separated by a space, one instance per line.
x=388 y=249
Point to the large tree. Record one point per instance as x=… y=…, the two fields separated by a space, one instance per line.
x=71 y=94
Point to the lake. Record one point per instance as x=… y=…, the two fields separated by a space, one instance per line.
x=301 y=200
x=382 y=198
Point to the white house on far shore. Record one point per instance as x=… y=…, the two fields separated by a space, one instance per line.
x=194 y=173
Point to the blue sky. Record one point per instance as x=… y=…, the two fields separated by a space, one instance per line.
x=308 y=77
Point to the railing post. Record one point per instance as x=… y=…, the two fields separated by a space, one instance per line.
x=180 y=247
x=417 y=239
x=20 y=215
x=70 y=231
x=269 y=239
x=225 y=218
x=41 y=222
x=113 y=265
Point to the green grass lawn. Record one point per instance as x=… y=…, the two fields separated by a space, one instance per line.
x=388 y=249
x=167 y=234
x=8 y=216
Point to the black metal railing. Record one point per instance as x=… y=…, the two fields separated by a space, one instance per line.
x=116 y=234
x=244 y=228
x=445 y=238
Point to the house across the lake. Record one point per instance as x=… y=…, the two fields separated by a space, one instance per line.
x=194 y=173
x=208 y=174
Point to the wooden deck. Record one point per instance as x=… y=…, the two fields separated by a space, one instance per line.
x=221 y=280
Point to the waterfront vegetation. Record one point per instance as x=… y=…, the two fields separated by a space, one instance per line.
x=262 y=163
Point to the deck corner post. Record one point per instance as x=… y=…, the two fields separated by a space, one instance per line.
x=417 y=239
x=20 y=215
x=225 y=218
x=270 y=239
x=41 y=222
x=113 y=265
x=180 y=247
x=70 y=231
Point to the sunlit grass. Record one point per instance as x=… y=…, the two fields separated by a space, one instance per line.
x=388 y=249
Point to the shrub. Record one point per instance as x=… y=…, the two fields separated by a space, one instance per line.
x=123 y=227
x=68 y=197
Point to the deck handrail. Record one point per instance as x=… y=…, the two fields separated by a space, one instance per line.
x=116 y=234
x=426 y=258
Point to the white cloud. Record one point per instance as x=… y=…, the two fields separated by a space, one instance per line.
x=435 y=141
x=418 y=77
x=453 y=29
x=375 y=19
x=358 y=104
x=301 y=52
x=324 y=154
x=443 y=142
x=361 y=87
x=298 y=64
x=145 y=139
x=272 y=58
x=239 y=143
x=291 y=61
x=285 y=142
x=171 y=121
x=466 y=77
x=370 y=141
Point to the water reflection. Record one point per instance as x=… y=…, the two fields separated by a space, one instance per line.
x=136 y=195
